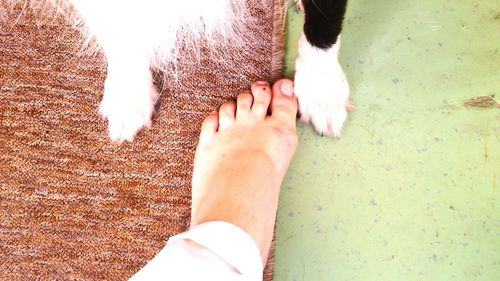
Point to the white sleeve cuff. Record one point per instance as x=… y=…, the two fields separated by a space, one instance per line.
x=230 y=243
x=209 y=251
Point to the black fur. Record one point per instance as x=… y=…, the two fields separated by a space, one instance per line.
x=323 y=21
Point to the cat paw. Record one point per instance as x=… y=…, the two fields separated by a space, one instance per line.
x=321 y=88
x=128 y=105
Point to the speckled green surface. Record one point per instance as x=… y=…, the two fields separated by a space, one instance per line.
x=410 y=192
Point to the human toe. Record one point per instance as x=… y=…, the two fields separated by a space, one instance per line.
x=261 y=92
x=284 y=104
x=209 y=126
x=243 y=104
x=227 y=113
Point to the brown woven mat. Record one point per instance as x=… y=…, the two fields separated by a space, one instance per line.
x=73 y=206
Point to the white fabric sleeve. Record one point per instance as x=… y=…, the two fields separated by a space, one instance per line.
x=209 y=251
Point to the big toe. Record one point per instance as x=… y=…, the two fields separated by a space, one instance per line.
x=284 y=104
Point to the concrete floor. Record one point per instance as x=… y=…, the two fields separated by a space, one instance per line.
x=410 y=190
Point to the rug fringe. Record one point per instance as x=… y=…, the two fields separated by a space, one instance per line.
x=278 y=39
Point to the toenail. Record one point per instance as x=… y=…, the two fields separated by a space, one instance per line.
x=262 y=83
x=287 y=88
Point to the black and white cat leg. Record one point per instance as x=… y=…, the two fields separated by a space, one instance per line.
x=129 y=99
x=321 y=87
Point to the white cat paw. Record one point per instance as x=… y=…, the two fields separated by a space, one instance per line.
x=128 y=105
x=321 y=88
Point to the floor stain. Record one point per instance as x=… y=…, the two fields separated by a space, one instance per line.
x=496 y=16
x=482 y=102
x=485 y=151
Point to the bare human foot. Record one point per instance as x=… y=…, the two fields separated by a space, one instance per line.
x=242 y=157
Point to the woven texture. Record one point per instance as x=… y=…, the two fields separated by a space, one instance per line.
x=73 y=206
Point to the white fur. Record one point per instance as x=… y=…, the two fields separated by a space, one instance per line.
x=321 y=88
x=137 y=36
x=129 y=97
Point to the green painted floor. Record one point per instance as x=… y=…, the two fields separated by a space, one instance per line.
x=410 y=192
